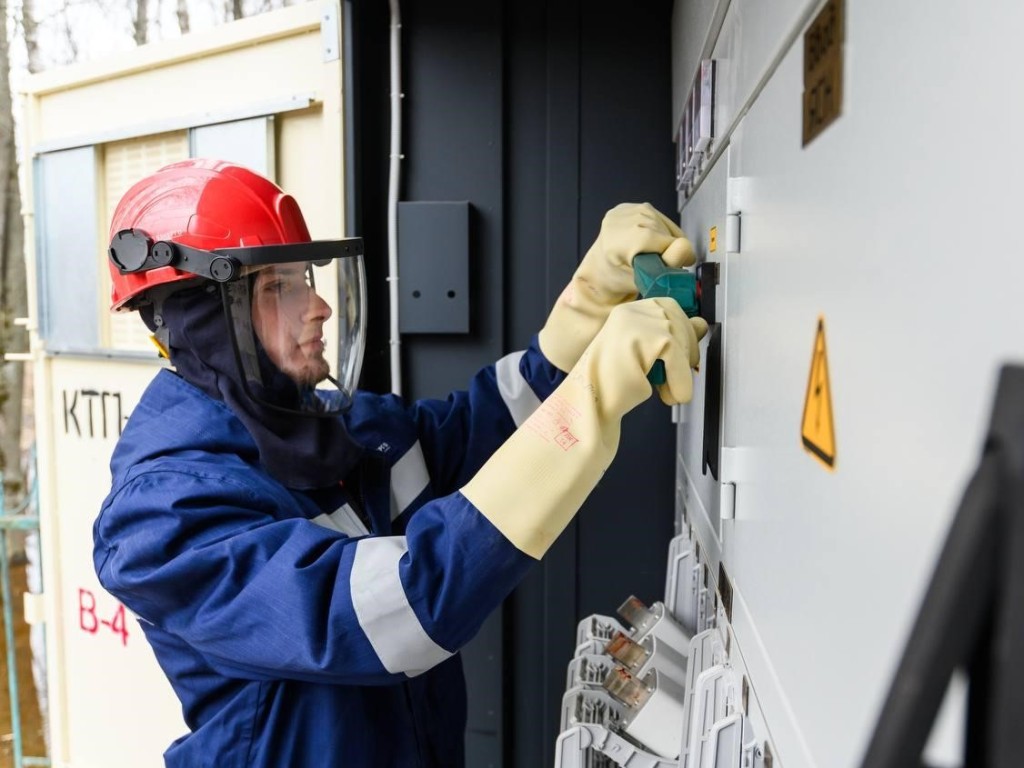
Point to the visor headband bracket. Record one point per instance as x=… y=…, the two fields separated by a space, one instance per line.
x=132 y=251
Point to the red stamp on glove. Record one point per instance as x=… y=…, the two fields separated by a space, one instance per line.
x=553 y=422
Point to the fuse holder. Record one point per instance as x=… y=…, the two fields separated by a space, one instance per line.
x=653 y=709
x=649 y=653
x=654 y=620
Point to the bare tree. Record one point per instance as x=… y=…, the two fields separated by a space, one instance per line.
x=183 y=20
x=13 y=293
x=69 y=36
x=30 y=34
x=140 y=21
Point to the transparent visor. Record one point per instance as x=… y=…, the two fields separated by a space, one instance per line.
x=299 y=332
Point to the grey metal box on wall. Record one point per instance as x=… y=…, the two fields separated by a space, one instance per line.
x=433 y=255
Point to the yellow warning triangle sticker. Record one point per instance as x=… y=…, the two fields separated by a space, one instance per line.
x=817 y=430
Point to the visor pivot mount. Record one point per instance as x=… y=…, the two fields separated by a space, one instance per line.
x=129 y=250
x=222 y=269
x=162 y=254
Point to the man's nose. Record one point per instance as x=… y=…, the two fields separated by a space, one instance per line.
x=317 y=309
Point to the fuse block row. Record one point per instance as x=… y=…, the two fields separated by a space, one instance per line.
x=656 y=686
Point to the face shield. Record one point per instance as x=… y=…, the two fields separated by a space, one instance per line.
x=298 y=330
x=295 y=313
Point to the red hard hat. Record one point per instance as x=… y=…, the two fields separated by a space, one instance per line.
x=204 y=204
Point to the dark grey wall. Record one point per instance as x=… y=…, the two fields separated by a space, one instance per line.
x=542 y=115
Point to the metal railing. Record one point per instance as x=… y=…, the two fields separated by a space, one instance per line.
x=22 y=517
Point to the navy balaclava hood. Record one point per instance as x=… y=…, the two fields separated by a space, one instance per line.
x=301 y=451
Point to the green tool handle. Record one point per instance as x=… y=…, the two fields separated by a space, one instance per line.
x=653 y=279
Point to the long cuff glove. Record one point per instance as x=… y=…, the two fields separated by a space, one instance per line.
x=604 y=279
x=533 y=485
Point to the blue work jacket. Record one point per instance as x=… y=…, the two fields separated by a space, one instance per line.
x=314 y=629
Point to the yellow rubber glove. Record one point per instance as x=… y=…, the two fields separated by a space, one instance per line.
x=533 y=485
x=604 y=279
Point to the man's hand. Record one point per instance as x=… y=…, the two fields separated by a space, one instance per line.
x=533 y=485
x=604 y=279
x=615 y=365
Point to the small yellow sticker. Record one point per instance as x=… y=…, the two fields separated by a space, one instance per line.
x=817 y=430
x=160 y=348
x=713 y=239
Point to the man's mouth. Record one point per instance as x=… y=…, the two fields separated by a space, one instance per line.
x=314 y=345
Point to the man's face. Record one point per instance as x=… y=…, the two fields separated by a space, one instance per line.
x=288 y=316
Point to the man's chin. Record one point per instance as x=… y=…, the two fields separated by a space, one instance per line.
x=312 y=375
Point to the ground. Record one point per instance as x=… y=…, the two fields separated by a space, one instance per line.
x=33 y=742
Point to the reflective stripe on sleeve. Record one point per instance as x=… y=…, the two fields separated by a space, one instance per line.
x=384 y=613
x=515 y=391
x=344 y=519
x=409 y=478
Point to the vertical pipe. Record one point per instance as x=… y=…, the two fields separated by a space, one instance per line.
x=395 y=159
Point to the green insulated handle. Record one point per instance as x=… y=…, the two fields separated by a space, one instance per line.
x=653 y=279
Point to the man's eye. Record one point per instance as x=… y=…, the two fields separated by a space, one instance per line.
x=274 y=287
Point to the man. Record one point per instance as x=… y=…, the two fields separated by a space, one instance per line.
x=306 y=559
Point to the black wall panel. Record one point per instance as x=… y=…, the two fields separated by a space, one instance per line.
x=453 y=128
x=626 y=154
x=542 y=115
x=544 y=173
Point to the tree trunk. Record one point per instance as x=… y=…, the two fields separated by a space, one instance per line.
x=15 y=340
x=140 y=22
x=12 y=285
x=30 y=29
x=183 y=21
x=236 y=10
